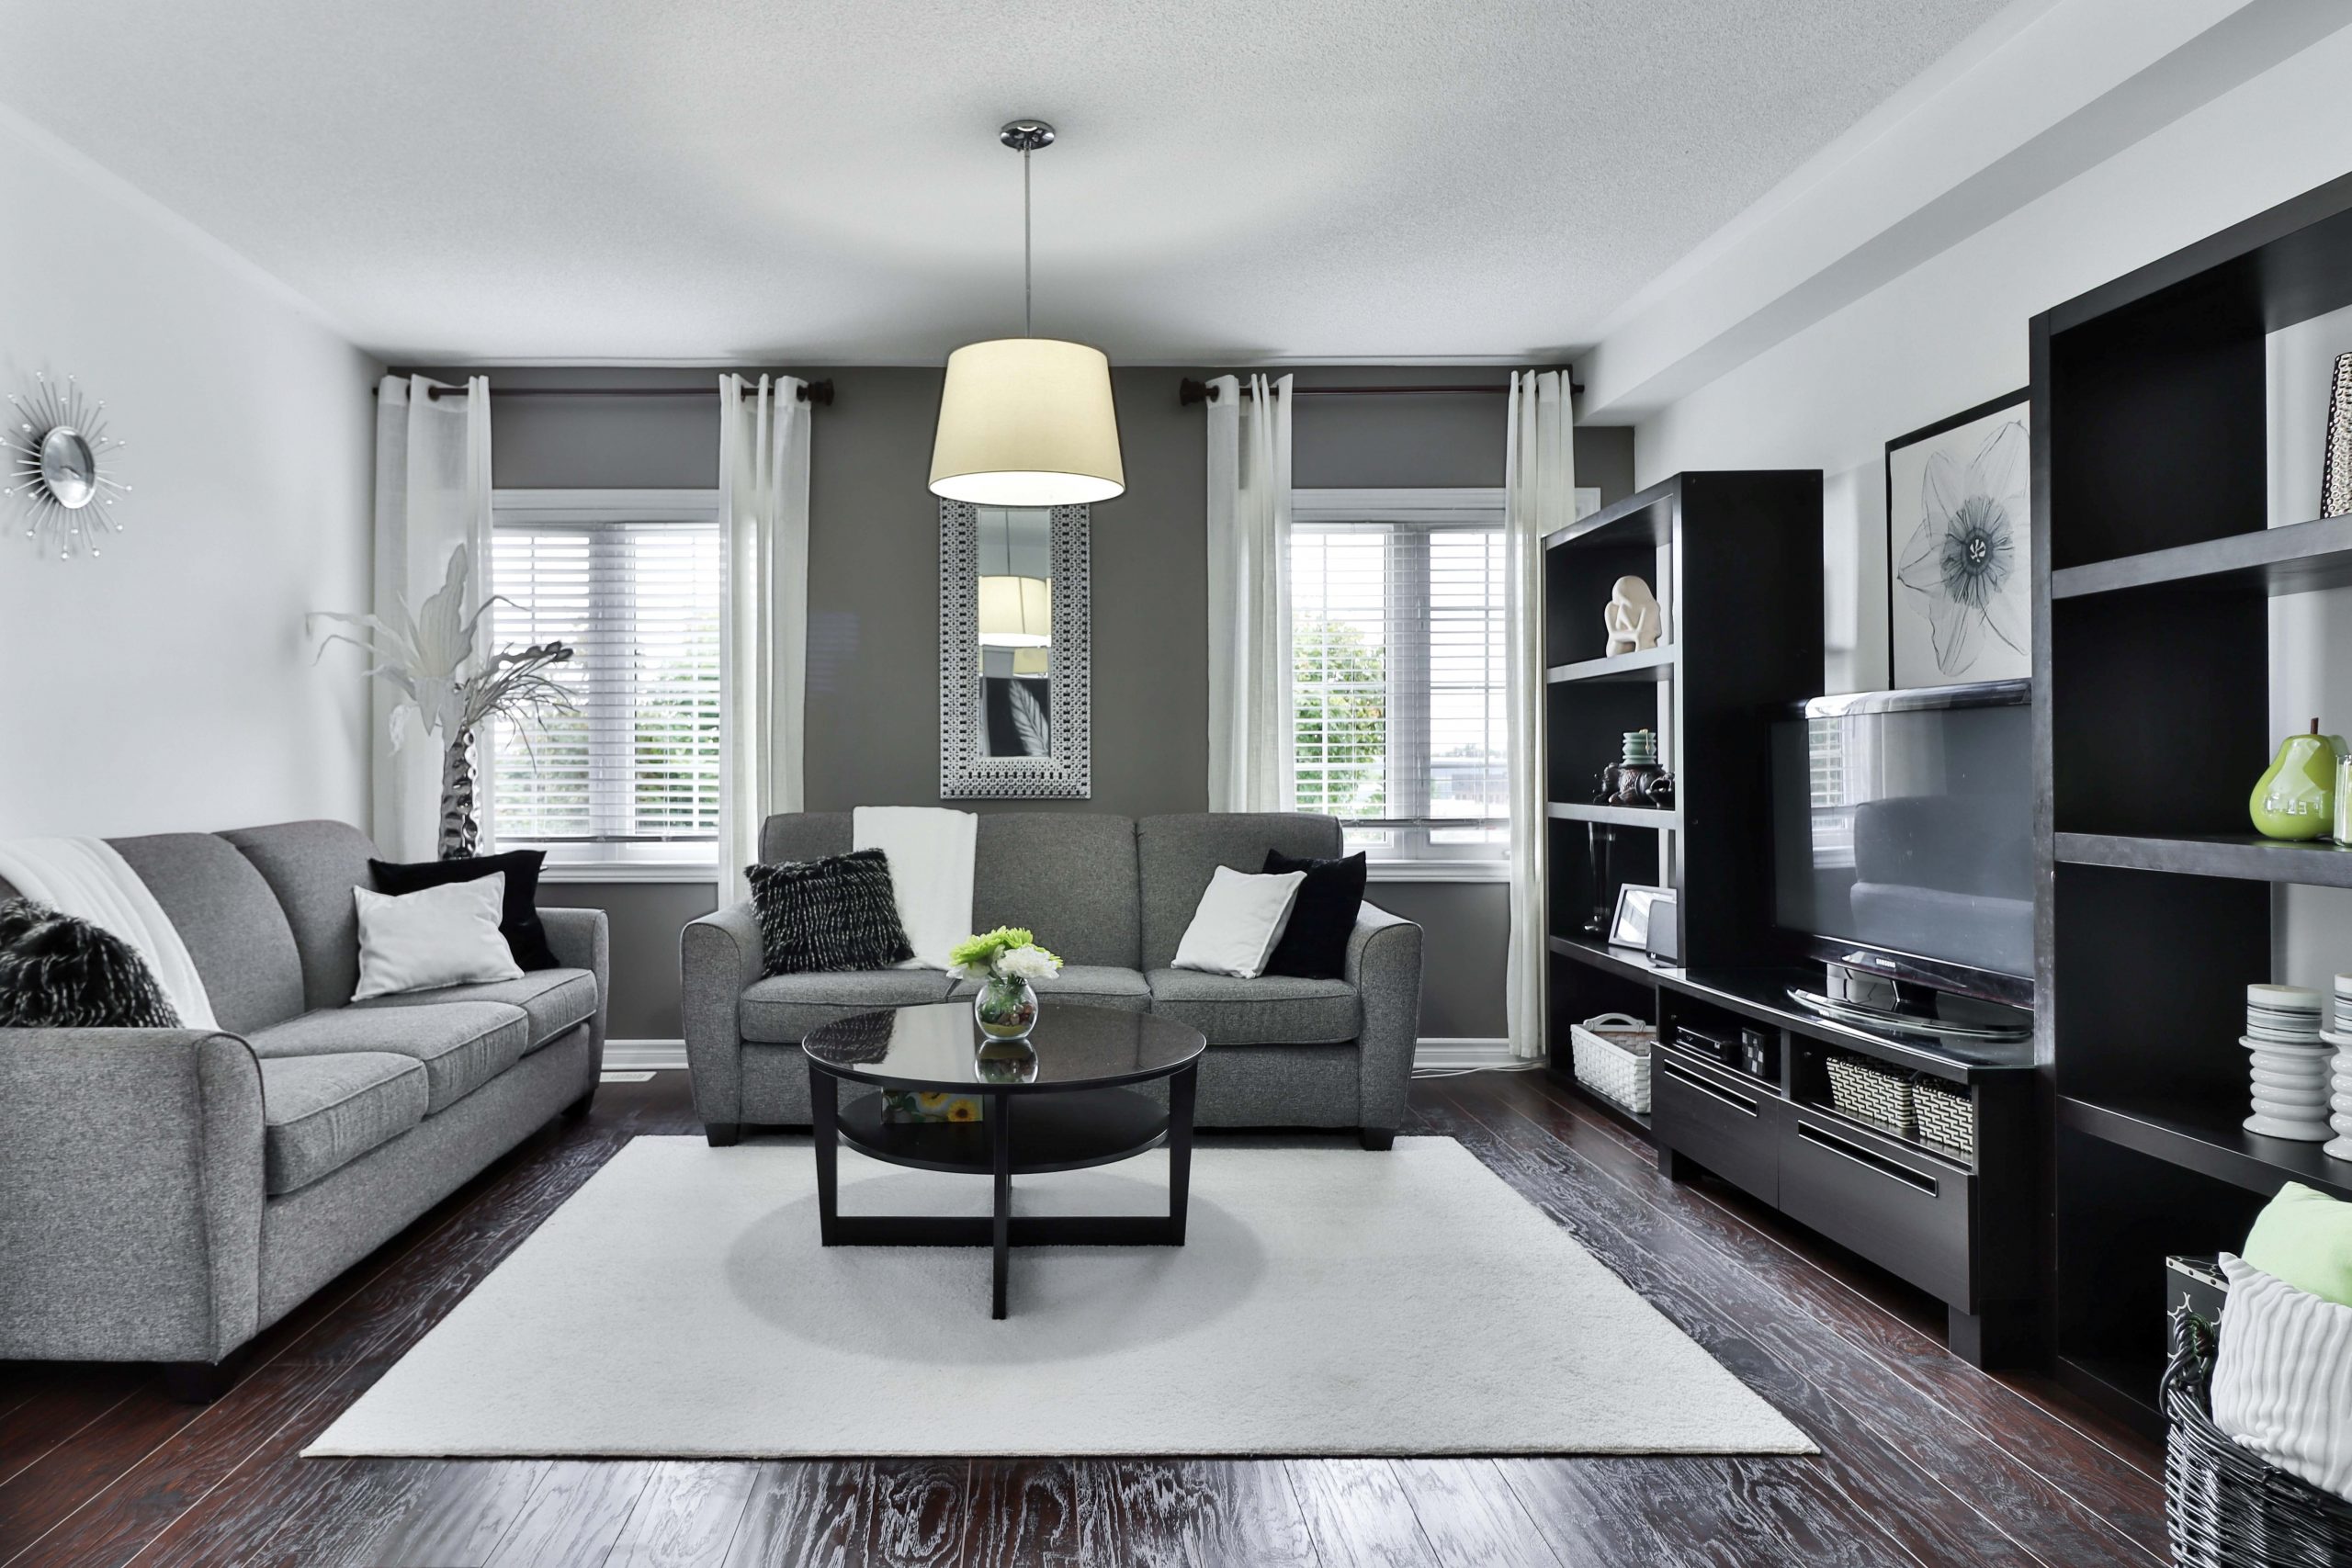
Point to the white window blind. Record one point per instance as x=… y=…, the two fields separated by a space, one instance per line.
x=635 y=773
x=1397 y=636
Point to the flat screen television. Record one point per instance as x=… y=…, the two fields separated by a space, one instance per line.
x=1903 y=852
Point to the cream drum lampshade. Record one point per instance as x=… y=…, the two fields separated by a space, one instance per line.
x=1027 y=421
x=1016 y=612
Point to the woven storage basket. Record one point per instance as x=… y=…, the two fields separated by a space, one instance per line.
x=2223 y=1506
x=1944 y=1117
x=1612 y=1054
x=1870 y=1094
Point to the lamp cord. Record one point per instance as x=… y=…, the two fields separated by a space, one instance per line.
x=1028 y=308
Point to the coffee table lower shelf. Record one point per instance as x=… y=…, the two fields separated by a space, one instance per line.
x=1056 y=1132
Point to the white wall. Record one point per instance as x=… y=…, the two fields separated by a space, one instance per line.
x=167 y=683
x=1951 y=332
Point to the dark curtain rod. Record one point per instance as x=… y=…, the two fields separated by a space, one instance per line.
x=820 y=393
x=1190 y=391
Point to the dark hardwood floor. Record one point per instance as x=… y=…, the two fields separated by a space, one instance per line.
x=1924 y=1460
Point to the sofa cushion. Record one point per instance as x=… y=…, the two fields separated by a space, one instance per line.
x=1069 y=876
x=1175 y=857
x=230 y=918
x=312 y=867
x=1273 y=1009
x=553 y=999
x=319 y=1113
x=781 y=1009
x=462 y=1045
x=1088 y=984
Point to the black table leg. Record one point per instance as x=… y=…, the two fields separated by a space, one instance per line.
x=1000 y=1115
x=824 y=1112
x=1179 y=1150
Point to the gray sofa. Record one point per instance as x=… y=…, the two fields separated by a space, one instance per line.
x=1112 y=896
x=167 y=1194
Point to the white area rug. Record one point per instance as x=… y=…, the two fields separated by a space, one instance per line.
x=1327 y=1302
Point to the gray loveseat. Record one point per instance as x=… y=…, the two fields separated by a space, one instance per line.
x=1112 y=896
x=167 y=1194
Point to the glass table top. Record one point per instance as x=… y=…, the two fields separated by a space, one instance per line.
x=940 y=1048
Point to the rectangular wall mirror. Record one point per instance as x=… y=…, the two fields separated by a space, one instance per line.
x=1013 y=652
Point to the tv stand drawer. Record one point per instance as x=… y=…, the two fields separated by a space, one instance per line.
x=1906 y=1211
x=1731 y=1127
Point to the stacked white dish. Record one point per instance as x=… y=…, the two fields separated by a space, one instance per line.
x=2293 y=1057
x=2340 y=1105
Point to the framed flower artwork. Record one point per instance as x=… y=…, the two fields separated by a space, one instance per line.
x=1959 y=526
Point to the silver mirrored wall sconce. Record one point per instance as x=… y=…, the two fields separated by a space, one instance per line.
x=60 y=467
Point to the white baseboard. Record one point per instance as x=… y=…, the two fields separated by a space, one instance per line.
x=1456 y=1055
x=632 y=1055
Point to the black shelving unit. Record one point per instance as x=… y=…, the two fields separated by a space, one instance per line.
x=1734 y=559
x=2154 y=567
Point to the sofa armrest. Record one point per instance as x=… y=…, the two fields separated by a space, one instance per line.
x=583 y=939
x=1385 y=966
x=130 y=1194
x=718 y=955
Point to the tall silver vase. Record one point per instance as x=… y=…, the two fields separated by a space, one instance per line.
x=460 y=834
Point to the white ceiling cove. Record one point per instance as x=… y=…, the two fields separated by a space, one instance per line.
x=612 y=180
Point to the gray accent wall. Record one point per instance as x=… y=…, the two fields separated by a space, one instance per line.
x=874 y=596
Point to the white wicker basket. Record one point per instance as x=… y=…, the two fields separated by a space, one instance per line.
x=1872 y=1094
x=1612 y=1057
x=1945 y=1117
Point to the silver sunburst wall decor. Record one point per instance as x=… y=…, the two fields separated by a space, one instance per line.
x=59 y=467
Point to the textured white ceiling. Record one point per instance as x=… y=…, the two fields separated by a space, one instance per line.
x=778 y=181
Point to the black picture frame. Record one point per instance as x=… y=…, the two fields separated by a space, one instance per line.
x=2022 y=397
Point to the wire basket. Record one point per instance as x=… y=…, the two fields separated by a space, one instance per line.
x=1944 y=1117
x=2225 y=1508
x=1872 y=1094
x=1611 y=1057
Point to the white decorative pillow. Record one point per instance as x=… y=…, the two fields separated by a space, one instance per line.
x=1240 y=919
x=2282 y=1380
x=443 y=936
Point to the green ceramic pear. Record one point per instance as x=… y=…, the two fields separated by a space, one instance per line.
x=2296 y=798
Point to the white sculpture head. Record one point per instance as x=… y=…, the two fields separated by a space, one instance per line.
x=1632 y=619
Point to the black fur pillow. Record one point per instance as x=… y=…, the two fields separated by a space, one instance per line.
x=60 y=971
x=840 y=912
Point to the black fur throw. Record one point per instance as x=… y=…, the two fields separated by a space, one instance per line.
x=840 y=912
x=60 y=971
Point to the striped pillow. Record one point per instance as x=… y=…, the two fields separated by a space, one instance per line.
x=2282 y=1380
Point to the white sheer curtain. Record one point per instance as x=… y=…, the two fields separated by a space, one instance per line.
x=763 y=621
x=432 y=495
x=1248 y=533
x=1540 y=495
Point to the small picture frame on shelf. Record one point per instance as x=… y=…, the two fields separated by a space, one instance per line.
x=1637 y=916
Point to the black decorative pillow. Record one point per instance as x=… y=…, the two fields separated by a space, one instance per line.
x=60 y=971
x=1315 y=944
x=840 y=912
x=518 y=919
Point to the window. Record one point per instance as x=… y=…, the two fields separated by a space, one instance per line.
x=632 y=583
x=1398 y=725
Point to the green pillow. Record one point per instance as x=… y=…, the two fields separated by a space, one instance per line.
x=2305 y=1239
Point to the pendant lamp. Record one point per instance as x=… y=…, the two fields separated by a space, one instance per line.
x=1028 y=421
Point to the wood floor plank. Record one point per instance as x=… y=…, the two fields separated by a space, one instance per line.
x=574 y=1514
x=1042 y=1514
x=687 y=1516
x=1185 y=1512
x=1470 y=1515
x=1720 y=1512
x=805 y=1511
x=445 y=1513
x=917 y=1515
x=1358 y=1515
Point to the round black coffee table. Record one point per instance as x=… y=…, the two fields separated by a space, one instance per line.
x=1063 y=1100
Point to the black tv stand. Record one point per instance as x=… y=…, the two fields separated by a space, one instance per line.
x=1956 y=1225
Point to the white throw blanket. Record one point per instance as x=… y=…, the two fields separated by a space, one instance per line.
x=930 y=848
x=86 y=877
